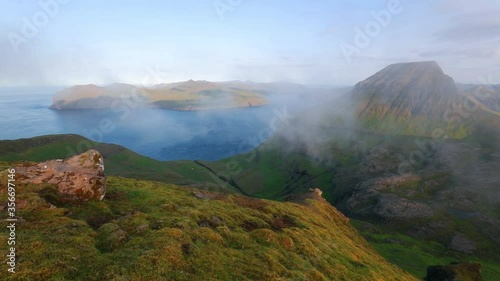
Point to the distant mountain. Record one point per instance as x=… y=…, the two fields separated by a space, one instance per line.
x=406 y=90
x=186 y=96
x=485 y=96
x=91 y=96
x=409 y=98
x=463 y=87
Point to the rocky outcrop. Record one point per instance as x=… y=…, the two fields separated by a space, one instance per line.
x=312 y=193
x=393 y=207
x=80 y=177
x=316 y=191
x=385 y=198
x=455 y=272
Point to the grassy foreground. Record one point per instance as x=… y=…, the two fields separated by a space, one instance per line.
x=146 y=230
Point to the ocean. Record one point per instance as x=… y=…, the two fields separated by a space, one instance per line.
x=157 y=133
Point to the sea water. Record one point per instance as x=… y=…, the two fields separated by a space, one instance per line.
x=156 y=133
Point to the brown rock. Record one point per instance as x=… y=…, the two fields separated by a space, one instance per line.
x=80 y=177
x=316 y=191
x=312 y=193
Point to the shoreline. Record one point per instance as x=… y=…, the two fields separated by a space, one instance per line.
x=151 y=106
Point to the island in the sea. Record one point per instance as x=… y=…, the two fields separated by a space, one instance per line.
x=185 y=96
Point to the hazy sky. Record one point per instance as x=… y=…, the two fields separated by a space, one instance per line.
x=81 y=42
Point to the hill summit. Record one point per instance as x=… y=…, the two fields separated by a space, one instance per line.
x=409 y=98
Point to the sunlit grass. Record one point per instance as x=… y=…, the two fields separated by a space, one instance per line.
x=152 y=231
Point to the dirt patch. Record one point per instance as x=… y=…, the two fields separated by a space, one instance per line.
x=251 y=203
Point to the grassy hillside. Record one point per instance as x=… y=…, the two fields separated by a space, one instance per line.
x=118 y=160
x=449 y=194
x=152 y=231
x=281 y=167
x=415 y=254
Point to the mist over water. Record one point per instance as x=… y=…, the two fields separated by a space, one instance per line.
x=157 y=133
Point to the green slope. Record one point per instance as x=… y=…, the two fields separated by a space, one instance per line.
x=118 y=160
x=153 y=231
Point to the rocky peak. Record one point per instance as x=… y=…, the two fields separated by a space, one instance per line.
x=406 y=89
x=408 y=98
x=79 y=178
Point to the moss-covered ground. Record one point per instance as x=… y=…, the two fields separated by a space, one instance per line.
x=145 y=230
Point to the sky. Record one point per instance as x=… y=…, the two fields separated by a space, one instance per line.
x=321 y=42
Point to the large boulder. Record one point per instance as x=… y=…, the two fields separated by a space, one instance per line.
x=80 y=177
